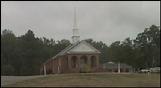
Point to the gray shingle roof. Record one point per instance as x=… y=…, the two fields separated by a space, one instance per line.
x=64 y=51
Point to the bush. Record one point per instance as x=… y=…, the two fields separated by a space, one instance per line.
x=7 y=70
x=86 y=68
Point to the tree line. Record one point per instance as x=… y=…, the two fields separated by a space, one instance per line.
x=25 y=54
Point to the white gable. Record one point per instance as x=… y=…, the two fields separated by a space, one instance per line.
x=83 y=47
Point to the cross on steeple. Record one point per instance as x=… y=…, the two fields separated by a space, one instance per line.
x=75 y=37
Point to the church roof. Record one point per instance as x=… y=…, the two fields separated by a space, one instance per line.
x=70 y=49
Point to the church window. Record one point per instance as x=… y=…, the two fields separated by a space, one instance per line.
x=74 y=61
x=93 y=61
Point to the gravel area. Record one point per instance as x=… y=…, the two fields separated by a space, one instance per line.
x=5 y=80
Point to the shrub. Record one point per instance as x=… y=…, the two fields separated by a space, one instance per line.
x=86 y=68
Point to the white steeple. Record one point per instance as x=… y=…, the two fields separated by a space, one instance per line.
x=75 y=37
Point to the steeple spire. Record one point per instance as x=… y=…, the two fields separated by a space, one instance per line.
x=75 y=18
x=75 y=37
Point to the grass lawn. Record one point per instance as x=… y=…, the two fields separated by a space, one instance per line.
x=92 y=80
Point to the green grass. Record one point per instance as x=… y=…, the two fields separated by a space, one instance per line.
x=93 y=79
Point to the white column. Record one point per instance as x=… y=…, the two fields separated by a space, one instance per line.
x=44 y=70
x=89 y=60
x=119 y=67
x=59 y=64
x=69 y=62
x=58 y=69
x=97 y=62
x=78 y=62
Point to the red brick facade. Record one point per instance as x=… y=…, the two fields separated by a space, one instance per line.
x=71 y=63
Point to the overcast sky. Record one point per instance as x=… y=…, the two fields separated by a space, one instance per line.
x=106 y=21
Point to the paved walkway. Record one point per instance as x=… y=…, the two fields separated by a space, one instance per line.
x=5 y=80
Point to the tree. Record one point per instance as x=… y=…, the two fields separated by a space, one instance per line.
x=25 y=54
x=147 y=46
x=8 y=44
x=127 y=51
x=102 y=47
x=115 y=52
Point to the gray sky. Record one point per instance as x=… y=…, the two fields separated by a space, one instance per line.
x=106 y=21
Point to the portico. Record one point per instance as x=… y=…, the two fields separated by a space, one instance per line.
x=78 y=61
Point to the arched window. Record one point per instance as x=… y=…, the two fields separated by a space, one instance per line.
x=83 y=59
x=74 y=61
x=93 y=61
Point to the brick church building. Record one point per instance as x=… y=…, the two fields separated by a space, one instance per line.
x=74 y=58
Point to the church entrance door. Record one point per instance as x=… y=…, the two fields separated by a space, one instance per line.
x=83 y=63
